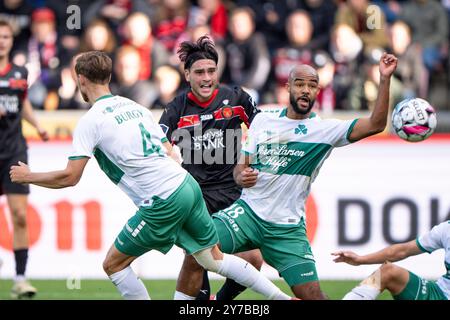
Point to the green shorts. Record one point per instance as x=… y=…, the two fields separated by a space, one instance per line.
x=420 y=289
x=181 y=219
x=284 y=247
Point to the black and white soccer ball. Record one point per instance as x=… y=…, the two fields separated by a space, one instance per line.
x=414 y=119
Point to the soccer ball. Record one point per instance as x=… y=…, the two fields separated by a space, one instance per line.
x=414 y=119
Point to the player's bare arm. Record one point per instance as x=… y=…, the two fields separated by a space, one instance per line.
x=376 y=123
x=171 y=152
x=28 y=115
x=53 y=179
x=392 y=253
x=243 y=174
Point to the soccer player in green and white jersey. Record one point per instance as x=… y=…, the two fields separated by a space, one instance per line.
x=132 y=150
x=281 y=158
x=401 y=283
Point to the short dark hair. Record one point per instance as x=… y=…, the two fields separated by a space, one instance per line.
x=94 y=65
x=204 y=48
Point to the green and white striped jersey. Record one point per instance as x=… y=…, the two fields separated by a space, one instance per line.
x=288 y=155
x=438 y=238
x=127 y=143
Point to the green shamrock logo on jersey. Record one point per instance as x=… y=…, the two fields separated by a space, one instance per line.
x=301 y=129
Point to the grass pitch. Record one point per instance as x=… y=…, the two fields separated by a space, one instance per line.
x=158 y=289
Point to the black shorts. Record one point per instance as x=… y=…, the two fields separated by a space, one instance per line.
x=219 y=199
x=6 y=186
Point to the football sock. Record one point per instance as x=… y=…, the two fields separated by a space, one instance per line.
x=362 y=292
x=247 y=275
x=205 y=291
x=181 y=296
x=21 y=257
x=129 y=285
x=230 y=290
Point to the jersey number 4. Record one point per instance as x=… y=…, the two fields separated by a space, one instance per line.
x=147 y=145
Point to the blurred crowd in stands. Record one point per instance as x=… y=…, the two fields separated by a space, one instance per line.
x=259 y=41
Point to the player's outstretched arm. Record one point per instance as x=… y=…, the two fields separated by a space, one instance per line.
x=243 y=174
x=392 y=253
x=376 y=123
x=54 y=179
x=28 y=115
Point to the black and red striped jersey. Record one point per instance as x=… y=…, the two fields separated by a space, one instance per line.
x=13 y=90
x=209 y=134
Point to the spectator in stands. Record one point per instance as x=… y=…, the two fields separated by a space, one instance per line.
x=269 y=19
x=391 y=8
x=45 y=60
x=346 y=49
x=98 y=36
x=167 y=80
x=172 y=21
x=369 y=25
x=137 y=32
x=69 y=35
x=113 y=12
x=212 y=13
x=364 y=91
x=429 y=25
x=247 y=55
x=325 y=66
x=69 y=95
x=410 y=69
x=297 y=50
x=127 y=67
x=322 y=14
x=18 y=14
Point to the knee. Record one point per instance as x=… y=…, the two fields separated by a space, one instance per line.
x=388 y=272
x=257 y=260
x=253 y=257
x=19 y=218
x=309 y=291
x=190 y=263
x=109 y=267
x=206 y=260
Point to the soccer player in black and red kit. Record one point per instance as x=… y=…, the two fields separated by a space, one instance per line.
x=205 y=123
x=13 y=106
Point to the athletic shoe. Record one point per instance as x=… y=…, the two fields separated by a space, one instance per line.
x=23 y=290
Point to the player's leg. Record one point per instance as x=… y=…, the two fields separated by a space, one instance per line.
x=17 y=198
x=287 y=249
x=401 y=283
x=134 y=240
x=299 y=273
x=199 y=238
x=191 y=280
x=231 y=289
x=213 y=200
x=117 y=267
x=233 y=267
x=309 y=291
x=153 y=227
x=18 y=207
x=416 y=288
x=388 y=276
x=217 y=200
